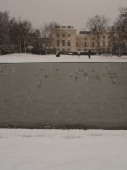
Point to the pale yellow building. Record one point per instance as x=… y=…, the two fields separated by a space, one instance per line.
x=65 y=38
x=85 y=41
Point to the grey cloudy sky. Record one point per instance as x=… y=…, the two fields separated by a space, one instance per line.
x=72 y=12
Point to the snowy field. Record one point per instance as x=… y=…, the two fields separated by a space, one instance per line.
x=23 y=58
x=63 y=150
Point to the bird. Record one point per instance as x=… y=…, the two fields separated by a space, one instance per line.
x=46 y=75
x=114 y=81
x=39 y=84
x=115 y=74
x=71 y=75
x=98 y=77
x=85 y=74
x=76 y=77
x=87 y=79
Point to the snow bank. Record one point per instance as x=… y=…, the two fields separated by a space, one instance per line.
x=23 y=58
x=62 y=149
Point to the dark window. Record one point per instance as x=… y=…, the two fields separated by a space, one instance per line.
x=103 y=43
x=69 y=43
x=63 y=42
x=85 y=44
x=58 y=42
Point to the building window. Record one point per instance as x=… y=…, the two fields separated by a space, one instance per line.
x=103 y=37
x=77 y=44
x=69 y=27
x=85 y=44
x=103 y=43
x=63 y=35
x=58 y=35
x=69 y=35
x=92 y=44
x=58 y=42
x=57 y=26
x=69 y=43
x=63 y=42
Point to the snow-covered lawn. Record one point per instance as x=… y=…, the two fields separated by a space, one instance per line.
x=21 y=58
x=63 y=149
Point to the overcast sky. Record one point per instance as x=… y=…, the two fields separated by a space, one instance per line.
x=72 y=12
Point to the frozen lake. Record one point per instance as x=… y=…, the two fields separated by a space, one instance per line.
x=63 y=95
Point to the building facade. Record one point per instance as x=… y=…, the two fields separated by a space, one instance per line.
x=65 y=38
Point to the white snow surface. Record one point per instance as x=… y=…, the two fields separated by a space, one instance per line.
x=23 y=58
x=22 y=149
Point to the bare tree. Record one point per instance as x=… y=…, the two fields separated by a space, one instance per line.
x=19 y=32
x=119 y=32
x=121 y=23
x=59 y=35
x=97 y=25
x=4 y=28
x=47 y=34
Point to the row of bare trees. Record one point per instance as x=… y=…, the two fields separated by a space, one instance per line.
x=15 y=32
x=118 y=31
x=47 y=31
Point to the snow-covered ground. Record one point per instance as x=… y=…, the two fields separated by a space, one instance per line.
x=23 y=58
x=63 y=149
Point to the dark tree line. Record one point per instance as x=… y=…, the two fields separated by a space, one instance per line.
x=15 y=33
x=118 y=31
x=97 y=26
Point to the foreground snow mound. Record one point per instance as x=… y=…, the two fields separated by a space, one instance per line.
x=62 y=149
x=23 y=58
